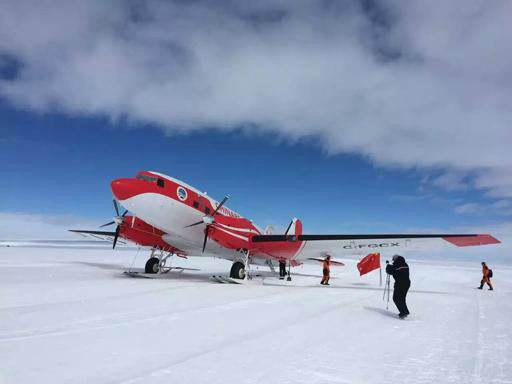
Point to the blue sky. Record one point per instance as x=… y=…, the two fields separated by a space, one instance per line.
x=60 y=165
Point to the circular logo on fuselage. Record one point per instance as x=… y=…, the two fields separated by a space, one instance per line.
x=182 y=193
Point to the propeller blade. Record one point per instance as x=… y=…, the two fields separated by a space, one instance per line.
x=124 y=214
x=205 y=238
x=104 y=225
x=191 y=225
x=116 y=236
x=220 y=205
x=116 y=207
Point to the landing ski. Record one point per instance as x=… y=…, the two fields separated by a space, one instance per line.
x=176 y=270
x=139 y=274
x=225 y=280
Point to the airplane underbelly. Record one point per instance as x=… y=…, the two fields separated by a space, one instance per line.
x=172 y=217
x=166 y=214
x=195 y=248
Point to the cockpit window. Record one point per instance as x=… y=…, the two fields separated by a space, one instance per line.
x=160 y=183
x=147 y=178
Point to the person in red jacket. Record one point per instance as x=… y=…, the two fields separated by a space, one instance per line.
x=326 y=270
x=486 y=277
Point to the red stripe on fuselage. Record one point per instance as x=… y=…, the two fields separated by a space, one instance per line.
x=124 y=189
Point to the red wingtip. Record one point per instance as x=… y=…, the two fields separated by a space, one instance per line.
x=468 y=241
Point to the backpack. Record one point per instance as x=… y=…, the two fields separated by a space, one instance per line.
x=490 y=273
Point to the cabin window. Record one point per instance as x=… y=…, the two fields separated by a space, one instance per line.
x=195 y=204
x=146 y=178
x=160 y=183
x=207 y=210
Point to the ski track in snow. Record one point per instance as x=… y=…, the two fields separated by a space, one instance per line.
x=72 y=317
x=123 y=318
x=270 y=329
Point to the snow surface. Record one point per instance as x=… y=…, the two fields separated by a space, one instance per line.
x=70 y=315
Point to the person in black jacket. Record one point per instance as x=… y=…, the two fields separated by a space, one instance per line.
x=400 y=271
x=282 y=269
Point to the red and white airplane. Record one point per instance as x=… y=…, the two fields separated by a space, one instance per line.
x=174 y=218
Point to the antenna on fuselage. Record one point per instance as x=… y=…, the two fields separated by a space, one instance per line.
x=288 y=229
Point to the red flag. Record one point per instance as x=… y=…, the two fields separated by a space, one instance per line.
x=368 y=263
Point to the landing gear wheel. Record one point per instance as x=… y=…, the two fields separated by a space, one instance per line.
x=237 y=270
x=152 y=265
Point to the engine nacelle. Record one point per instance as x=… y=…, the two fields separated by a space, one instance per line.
x=231 y=232
x=141 y=233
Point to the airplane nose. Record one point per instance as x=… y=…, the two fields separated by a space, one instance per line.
x=123 y=189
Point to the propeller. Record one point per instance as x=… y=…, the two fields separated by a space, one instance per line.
x=209 y=220
x=117 y=220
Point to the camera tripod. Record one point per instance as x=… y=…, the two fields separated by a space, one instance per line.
x=387 y=289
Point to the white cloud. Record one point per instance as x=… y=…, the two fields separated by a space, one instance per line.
x=502 y=204
x=500 y=208
x=503 y=207
x=29 y=226
x=452 y=181
x=468 y=208
x=410 y=198
x=404 y=83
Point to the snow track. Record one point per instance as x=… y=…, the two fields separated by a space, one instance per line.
x=72 y=317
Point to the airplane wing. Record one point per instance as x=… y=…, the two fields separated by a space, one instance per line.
x=316 y=245
x=100 y=235
x=95 y=242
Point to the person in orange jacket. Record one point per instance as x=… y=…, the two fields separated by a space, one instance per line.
x=486 y=277
x=326 y=270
